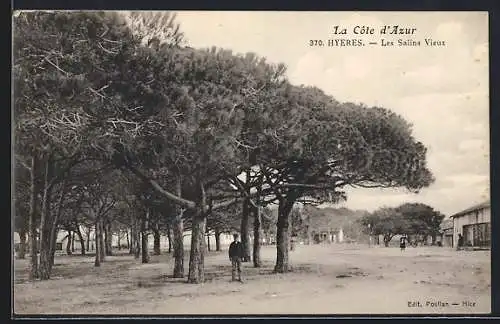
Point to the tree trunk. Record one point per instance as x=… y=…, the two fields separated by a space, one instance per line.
x=53 y=248
x=119 y=240
x=144 y=249
x=97 y=262
x=245 y=230
x=144 y=238
x=208 y=242
x=128 y=240
x=137 y=239
x=44 y=266
x=54 y=230
x=217 y=240
x=132 y=238
x=178 y=245
x=68 y=244
x=102 y=244
x=88 y=238
x=73 y=242
x=169 y=237
x=108 y=239
x=45 y=224
x=156 y=241
x=22 y=244
x=33 y=274
x=197 y=255
x=109 y=242
x=283 y=236
x=82 y=241
x=257 y=234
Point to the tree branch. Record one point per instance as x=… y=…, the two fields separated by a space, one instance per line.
x=181 y=201
x=224 y=204
x=23 y=163
x=303 y=185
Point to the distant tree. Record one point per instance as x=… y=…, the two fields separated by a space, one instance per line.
x=269 y=219
x=98 y=194
x=409 y=218
x=354 y=230
x=225 y=220
x=422 y=219
x=298 y=223
x=387 y=222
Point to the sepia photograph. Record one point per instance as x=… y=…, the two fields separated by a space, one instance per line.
x=250 y=163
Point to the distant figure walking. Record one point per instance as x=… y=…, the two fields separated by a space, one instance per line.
x=460 y=242
x=402 y=243
x=236 y=255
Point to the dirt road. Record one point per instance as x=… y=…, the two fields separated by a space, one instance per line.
x=330 y=279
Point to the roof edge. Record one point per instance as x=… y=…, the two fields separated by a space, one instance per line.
x=483 y=205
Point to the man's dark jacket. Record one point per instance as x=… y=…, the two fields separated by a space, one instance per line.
x=236 y=250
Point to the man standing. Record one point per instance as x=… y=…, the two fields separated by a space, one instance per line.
x=460 y=242
x=235 y=255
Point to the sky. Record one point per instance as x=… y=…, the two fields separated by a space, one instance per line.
x=442 y=90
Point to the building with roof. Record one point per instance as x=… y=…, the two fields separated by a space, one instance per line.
x=474 y=224
x=332 y=225
x=446 y=231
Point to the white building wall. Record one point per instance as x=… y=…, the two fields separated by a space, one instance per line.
x=483 y=216
x=60 y=236
x=225 y=239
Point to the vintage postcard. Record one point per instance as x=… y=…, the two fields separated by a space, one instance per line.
x=260 y=162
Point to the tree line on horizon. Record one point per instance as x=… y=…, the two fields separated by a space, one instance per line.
x=414 y=220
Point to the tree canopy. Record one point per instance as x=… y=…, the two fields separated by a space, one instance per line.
x=407 y=219
x=176 y=127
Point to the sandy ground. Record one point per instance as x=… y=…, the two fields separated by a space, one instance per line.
x=329 y=279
